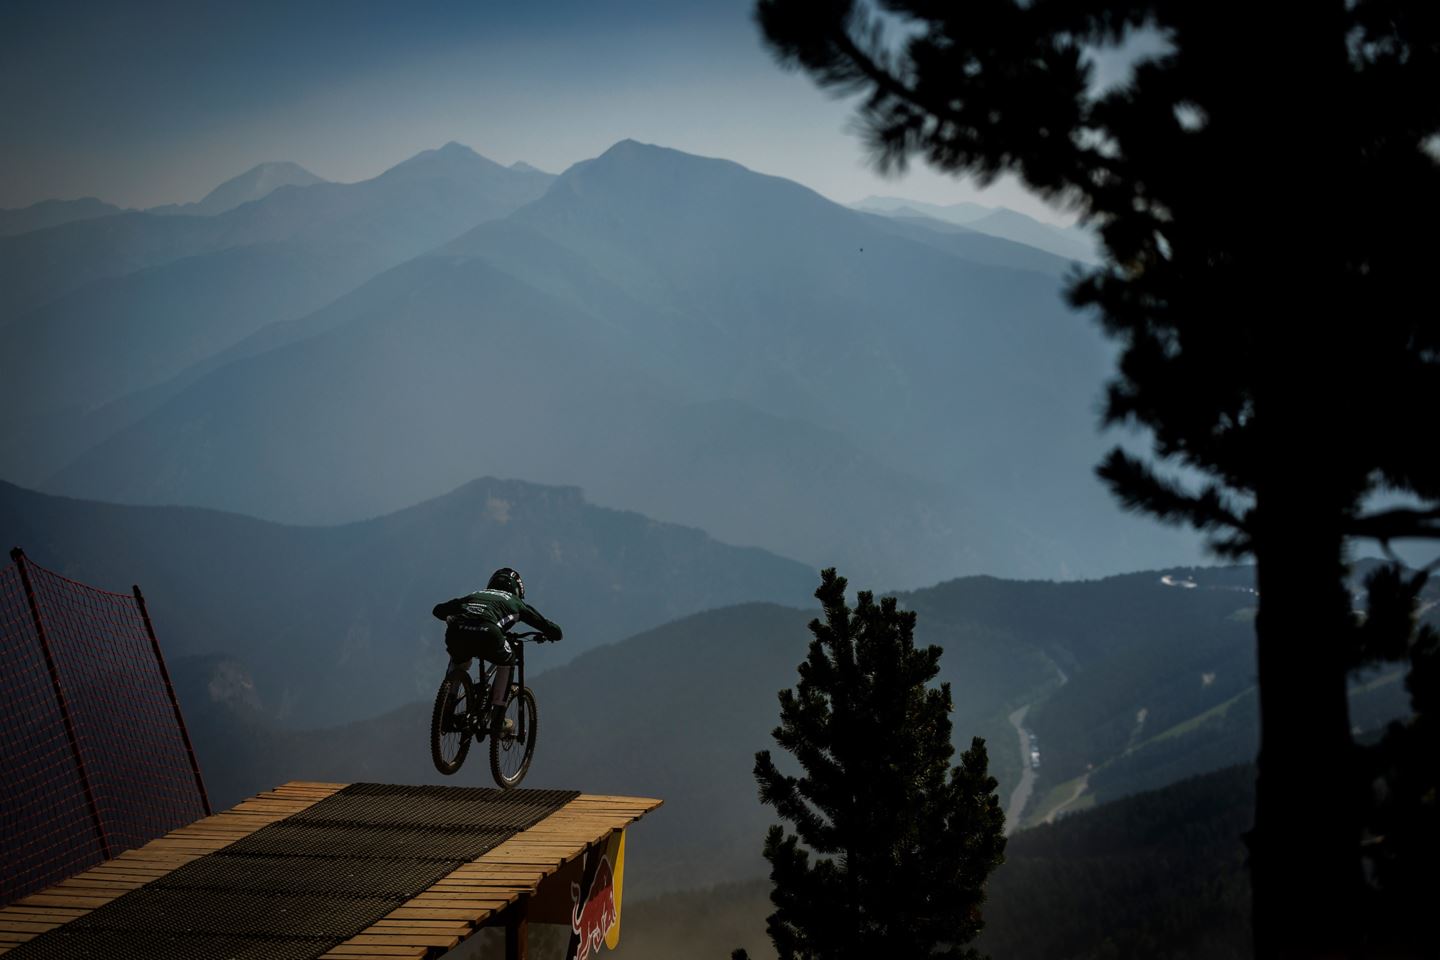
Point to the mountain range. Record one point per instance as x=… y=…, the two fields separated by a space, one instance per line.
x=98 y=310
x=52 y=213
x=675 y=335
x=1073 y=243
x=254 y=184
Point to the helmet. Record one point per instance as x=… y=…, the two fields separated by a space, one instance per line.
x=507 y=580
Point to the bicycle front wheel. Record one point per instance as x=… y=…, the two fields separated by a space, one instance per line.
x=450 y=722
x=512 y=749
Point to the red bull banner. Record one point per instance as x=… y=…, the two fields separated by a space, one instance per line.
x=595 y=902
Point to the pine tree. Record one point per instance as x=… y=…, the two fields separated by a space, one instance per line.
x=891 y=845
x=1252 y=185
x=1403 y=769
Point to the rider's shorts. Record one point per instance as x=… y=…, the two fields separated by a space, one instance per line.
x=469 y=638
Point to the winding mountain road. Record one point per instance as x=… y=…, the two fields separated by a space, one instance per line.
x=1021 y=794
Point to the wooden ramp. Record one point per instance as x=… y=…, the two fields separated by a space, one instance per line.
x=537 y=864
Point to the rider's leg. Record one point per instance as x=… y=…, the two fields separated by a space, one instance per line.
x=501 y=655
x=457 y=663
x=460 y=664
x=500 y=686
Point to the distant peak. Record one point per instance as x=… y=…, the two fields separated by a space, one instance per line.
x=628 y=146
x=633 y=152
x=451 y=156
x=450 y=151
x=259 y=181
x=277 y=165
x=645 y=172
x=520 y=166
x=272 y=168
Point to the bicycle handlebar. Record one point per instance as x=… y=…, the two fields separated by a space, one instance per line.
x=526 y=635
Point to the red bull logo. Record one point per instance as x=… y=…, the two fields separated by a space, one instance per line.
x=593 y=917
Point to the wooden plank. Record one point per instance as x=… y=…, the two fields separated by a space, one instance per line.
x=439 y=926
x=517 y=872
x=639 y=801
x=59 y=900
x=143 y=855
x=186 y=844
x=39 y=915
x=466 y=897
x=481 y=882
x=445 y=900
x=430 y=912
x=13 y=911
x=25 y=926
x=99 y=883
x=132 y=875
x=495 y=870
x=442 y=940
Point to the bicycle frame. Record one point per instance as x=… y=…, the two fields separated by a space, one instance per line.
x=517 y=680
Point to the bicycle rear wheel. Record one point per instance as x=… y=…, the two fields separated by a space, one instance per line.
x=512 y=749
x=450 y=722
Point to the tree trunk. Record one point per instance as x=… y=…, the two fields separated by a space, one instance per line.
x=1304 y=850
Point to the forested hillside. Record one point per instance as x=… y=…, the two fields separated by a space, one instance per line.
x=1160 y=874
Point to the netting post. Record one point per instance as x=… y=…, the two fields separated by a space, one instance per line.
x=517 y=930
x=18 y=556
x=174 y=702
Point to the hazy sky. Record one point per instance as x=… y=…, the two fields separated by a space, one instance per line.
x=141 y=103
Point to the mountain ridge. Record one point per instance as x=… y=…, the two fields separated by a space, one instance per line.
x=651 y=288
x=52 y=213
x=334 y=622
x=168 y=293
x=72 y=254
x=256 y=183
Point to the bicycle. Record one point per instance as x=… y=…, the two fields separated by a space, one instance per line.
x=460 y=716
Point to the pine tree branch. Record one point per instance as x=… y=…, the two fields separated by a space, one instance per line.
x=1399 y=524
x=1139 y=488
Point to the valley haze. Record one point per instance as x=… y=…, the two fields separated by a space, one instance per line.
x=673 y=334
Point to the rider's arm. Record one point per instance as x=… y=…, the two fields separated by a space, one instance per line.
x=449 y=608
x=534 y=618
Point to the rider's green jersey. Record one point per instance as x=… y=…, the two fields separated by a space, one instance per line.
x=499 y=608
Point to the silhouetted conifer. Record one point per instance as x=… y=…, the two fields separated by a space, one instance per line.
x=889 y=846
x=1402 y=842
x=1253 y=186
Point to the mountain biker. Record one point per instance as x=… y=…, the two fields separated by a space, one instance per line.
x=476 y=625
